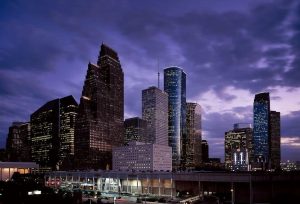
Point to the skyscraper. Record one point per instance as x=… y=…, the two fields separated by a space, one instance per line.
x=261 y=128
x=18 y=142
x=155 y=112
x=238 y=147
x=194 y=135
x=205 y=151
x=135 y=130
x=99 y=126
x=175 y=86
x=275 y=155
x=52 y=132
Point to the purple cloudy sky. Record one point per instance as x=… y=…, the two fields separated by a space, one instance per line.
x=230 y=50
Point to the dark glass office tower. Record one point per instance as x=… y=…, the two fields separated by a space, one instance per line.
x=275 y=155
x=175 y=86
x=205 y=151
x=135 y=130
x=18 y=142
x=99 y=126
x=52 y=132
x=194 y=135
x=261 y=128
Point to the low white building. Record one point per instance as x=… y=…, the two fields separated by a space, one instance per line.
x=7 y=169
x=142 y=157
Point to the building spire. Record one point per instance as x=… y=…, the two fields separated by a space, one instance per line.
x=158 y=73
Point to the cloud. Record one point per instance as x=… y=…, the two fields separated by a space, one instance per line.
x=290 y=148
x=35 y=51
x=290 y=141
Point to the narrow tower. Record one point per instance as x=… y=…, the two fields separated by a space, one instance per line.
x=99 y=126
x=261 y=129
x=155 y=112
x=175 y=86
x=194 y=135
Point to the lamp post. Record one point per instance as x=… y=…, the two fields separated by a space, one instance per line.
x=232 y=194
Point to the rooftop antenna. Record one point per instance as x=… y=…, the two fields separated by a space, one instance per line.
x=158 y=73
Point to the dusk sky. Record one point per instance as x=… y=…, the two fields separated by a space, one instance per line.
x=230 y=50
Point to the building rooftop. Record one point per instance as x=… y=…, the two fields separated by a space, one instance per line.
x=19 y=165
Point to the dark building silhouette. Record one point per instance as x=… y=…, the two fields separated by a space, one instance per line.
x=3 y=155
x=175 y=86
x=239 y=147
x=261 y=129
x=275 y=155
x=194 y=135
x=205 y=151
x=18 y=142
x=155 y=112
x=100 y=121
x=52 y=132
x=135 y=130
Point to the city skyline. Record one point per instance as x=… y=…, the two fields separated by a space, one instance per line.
x=230 y=53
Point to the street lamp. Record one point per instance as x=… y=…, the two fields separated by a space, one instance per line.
x=232 y=196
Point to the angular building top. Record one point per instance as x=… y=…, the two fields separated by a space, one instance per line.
x=68 y=100
x=107 y=51
x=262 y=97
x=100 y=122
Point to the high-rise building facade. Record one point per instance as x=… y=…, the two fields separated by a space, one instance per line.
x=205 y=151
x=155 y=112
x=194 y=135
x=135 y=130
x=275 y=155
x=261 y=128
x=238 y=148
x=52 y=132
x=100 y=123
x=18 y=142
x=143 y=157
x=175 y=86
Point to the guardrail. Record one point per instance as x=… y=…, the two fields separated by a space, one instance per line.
x=190 y=200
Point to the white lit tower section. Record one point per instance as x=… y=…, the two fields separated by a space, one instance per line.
x=155 y=112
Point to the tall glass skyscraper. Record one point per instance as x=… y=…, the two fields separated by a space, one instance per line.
x=261 y=127
x=175 y=86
